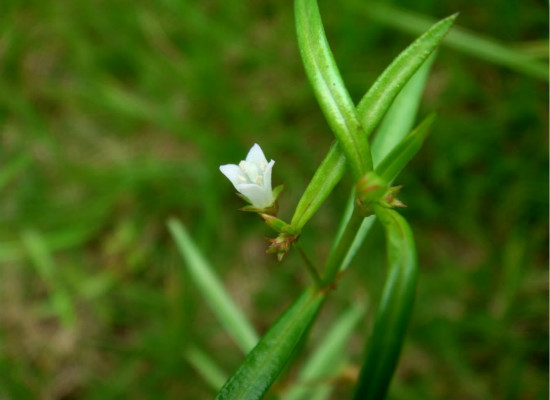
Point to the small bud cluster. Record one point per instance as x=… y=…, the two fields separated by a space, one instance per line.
x=371 y=189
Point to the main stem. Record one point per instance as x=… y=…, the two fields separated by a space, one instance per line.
x=339 y=253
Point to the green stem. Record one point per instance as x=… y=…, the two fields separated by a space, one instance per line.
x=339 y=252
x=309 y=265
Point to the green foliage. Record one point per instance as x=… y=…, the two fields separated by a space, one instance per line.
x=461 y=40
x=230 y=316
x=266 y=361
x=329 y=88
x=115 y=117
x=370 y=111
x=390 y=323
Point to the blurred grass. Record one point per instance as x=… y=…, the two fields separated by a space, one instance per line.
x=115 y=117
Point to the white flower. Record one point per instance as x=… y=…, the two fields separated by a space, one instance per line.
x=252 y=177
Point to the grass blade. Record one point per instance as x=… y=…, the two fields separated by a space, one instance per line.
x=327 y=359
x=392 y=317
x=265 y=362
x=460 y=39
x=221 y=304
x=333 y=97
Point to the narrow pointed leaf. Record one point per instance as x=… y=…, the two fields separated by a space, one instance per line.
x=219 y=301
x=398 y=73
x=326 y=360
x=377 y=100
x=321 y=185
x=393 y=314
x=394 y=162
x=265 y=362
x=329 y=88
x=401 y=116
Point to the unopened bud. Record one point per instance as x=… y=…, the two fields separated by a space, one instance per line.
x=371 y=188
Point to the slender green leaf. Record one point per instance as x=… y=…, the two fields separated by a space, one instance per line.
x=327 y=359
x=265 y=362
x=325 y=178
x=329 y=88
x=377 y=100
x=400 y=118
x=398 y=74
x=210 y=371
x=393 y=315
x=219 y=301
x=460 y=39
x=394 y=162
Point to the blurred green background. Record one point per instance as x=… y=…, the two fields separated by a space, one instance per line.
x=115 y=116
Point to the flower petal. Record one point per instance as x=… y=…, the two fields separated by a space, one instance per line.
x=267 y=175
x=233 y=173
x=256 y=156
x=259 y=197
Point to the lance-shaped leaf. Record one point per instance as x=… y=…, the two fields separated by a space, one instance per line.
x=394 y=77
x=329 y=88
x=326 y=177
x=394 y=311
x=394 y=162
x=401 y=116
x=219 y=301
x=381 y=94
x=266 y=361
x=327 y=359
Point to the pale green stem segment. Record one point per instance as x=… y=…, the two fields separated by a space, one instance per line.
x=372 y=108
x=265 y=362
x=394 y=311
x=460 y=39
x=219 y=301
x=329 y=89
x=327 y=361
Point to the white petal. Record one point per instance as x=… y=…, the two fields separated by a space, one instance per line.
x=256 y=156
x=267 y=175
x=233 y=173
x=259 y=197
